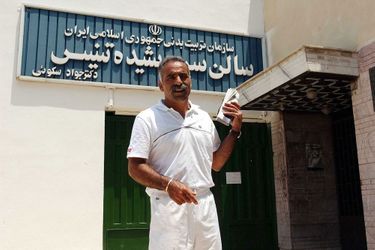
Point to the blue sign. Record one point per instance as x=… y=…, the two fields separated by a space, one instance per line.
x=78 y=47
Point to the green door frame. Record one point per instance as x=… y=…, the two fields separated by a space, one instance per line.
x=126 y=205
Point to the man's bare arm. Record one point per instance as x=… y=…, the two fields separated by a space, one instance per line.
x=142 y=173
x=223 y=153
x=145 y=175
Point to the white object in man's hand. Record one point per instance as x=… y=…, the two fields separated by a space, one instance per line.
x=230 y=96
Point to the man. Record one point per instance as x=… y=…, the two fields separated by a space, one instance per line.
x=173 y=147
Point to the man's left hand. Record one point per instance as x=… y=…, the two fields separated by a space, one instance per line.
x=232 y=110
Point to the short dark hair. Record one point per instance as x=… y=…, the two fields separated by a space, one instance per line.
x=168 y=59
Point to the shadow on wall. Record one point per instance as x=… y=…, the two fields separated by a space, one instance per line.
x=27 y=93
x=255 y=22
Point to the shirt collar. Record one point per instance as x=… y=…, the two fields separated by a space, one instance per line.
x=163 y=107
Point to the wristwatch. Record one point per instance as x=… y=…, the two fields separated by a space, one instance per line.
x=237 y=134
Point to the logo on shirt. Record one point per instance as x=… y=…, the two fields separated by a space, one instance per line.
x=129 y=149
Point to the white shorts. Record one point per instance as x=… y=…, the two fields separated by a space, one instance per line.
x=186 y=226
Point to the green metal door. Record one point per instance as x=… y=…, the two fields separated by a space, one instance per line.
x=247 y=211
x=126 y=205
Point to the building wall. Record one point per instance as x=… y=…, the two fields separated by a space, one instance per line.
x=339 y=24
x=364 y=119
x=312 y=193
x=290 y=24
x=52 y=135
x=281 y=180
x=306 y=200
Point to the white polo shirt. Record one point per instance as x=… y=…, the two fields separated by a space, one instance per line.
x=177 y=147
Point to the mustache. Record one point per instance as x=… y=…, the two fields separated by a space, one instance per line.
x=182 y=86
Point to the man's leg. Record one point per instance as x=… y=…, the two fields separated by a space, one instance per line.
x=208 y=230
x=168 y=227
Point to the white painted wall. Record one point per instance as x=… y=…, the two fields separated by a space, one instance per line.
x=344 y=24
x=52 y=135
